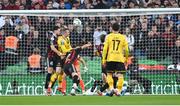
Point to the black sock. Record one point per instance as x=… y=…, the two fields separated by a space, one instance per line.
x=104 y=87
x=115 y=82
x=48 y=77
x=53 y=83
x=76 y=79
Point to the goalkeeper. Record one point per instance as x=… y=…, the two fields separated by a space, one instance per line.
x=77 y=66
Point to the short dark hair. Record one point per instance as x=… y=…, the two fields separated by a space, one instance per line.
x=115 y=26
x=102 y=38
x=36 y=51
x=56 y=28
x=64 y=29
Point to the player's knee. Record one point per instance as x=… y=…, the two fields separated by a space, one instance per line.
x=76 y=79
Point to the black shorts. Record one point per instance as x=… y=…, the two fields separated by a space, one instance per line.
x=54 y=62
x=115 y=67
x=69 y=69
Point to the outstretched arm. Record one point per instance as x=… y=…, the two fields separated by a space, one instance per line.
x=86 y=45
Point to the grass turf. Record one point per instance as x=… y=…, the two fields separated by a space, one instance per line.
x=90 y=100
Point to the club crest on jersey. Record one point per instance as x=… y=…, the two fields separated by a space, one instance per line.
x=51 y=63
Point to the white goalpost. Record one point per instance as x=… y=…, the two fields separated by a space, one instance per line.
x=153 y=36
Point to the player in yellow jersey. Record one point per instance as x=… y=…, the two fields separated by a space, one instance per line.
x=115 y=54
x=64 y=46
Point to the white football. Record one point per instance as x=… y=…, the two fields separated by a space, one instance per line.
x=77 y=22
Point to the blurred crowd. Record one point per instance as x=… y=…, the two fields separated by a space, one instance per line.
x=154 y=36
x=85 y=4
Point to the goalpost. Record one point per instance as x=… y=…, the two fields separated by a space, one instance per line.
x=152 y=35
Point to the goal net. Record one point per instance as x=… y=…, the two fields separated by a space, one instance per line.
x=153 y=36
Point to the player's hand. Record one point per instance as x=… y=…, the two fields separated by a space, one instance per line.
x=85 y=69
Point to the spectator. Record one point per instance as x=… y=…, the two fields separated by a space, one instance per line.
x=152 y=45
x=130 y=39
x=11 y=48
x=67 y=4
x=49 y=6
x=101 y=4
x=1 y=41
x=35 y=62
x=176 y=52
x=1 y=6
x=23 y=24
x=97 y=33
x=169 y=39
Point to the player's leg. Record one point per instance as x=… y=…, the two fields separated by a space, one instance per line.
x=81 y=83
x=64 y=83
x=120 y=83
x=60 y=79
x=48 y=76
x=57 y=67
x=104 y=85
x=75 y=79
x=106 y=79
x=120 y=71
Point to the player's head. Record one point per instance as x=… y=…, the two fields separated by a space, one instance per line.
x=115 y=27
x=102 y=38
x=178 y=42
x=36 y=51
x=66 y=32
x=56 y=30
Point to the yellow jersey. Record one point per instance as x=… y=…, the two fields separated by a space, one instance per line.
x=64 y=45
x=115 y=48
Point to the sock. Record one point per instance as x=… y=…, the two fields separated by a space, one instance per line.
x=120 y=83
x=82 y=85
x=60 y=78
x=104 y=87
x=64 y=85
x=53 y=79
x=115 y=82
x=48 y=77
x=94 y=85
x=110 y=81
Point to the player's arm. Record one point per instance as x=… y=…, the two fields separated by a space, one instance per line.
x=105 y=51
x=55 y=50
x=86 y=45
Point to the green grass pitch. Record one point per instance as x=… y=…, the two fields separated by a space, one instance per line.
x=90 y=100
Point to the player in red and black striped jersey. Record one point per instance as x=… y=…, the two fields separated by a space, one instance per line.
x=69 y=68
x=54 y=56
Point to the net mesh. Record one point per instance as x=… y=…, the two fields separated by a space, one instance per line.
x=153 y=41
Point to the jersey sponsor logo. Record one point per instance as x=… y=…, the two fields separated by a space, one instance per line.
x=62 y=42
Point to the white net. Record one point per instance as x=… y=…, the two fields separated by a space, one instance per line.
x=152 y=34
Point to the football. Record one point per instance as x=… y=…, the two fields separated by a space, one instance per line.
x=77 y=22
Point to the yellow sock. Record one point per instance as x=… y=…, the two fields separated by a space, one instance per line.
x=120 y=83
x=60 y=78
x=53 y=79
x=110 y=81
